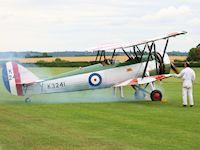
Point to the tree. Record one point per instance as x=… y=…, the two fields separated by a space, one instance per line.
x=58 y=60
x=45 y=54
x=194 y=54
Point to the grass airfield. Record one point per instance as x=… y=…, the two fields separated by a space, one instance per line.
x=65 y=121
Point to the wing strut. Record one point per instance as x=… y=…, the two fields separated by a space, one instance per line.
x=150 y=48
x=97 y=55
x=156 y=59
x=113 y=54
x=126 y=54
x=135 y=53
x=100 y=54
x=142 y=53
x=165 y=47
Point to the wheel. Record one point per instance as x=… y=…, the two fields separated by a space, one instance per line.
x=156 y=95
x=28 y=100
x=139 y=95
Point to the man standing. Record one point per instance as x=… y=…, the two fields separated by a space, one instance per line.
x=188 y=76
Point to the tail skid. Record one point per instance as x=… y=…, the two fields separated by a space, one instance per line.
x=15 y=76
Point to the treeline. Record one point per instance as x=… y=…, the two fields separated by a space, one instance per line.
x=31 y=54
x=177 y=53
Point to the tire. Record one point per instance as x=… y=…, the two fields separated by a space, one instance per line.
x=28 y=100
x=156 y=95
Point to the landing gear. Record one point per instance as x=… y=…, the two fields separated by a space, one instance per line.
x=121 y=91
x=156 y=95
x=139 y=94
x=27 y=100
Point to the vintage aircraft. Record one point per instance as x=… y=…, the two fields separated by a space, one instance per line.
x=142 y=67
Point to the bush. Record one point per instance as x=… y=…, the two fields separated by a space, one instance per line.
x=61 y=63
x=58 y=60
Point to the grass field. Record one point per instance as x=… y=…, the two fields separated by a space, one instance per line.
x=55 y=122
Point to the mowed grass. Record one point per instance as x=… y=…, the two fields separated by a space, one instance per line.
x=122 y=124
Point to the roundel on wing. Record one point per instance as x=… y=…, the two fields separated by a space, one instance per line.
x=95 y=79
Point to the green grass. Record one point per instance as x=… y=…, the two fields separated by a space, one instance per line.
x=51 y=123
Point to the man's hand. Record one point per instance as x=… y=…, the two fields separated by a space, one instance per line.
x=174 y=75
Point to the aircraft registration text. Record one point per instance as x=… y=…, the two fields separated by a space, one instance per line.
x=56 y=85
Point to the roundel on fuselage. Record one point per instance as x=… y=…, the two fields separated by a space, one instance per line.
x=95 y=79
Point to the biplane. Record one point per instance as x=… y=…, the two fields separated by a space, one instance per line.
x=142 y=68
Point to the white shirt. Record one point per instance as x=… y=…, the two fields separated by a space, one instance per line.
x=188 y=76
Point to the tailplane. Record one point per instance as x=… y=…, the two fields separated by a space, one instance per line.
x=15 y=76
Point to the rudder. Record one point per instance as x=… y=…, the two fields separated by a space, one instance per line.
x=14 y=76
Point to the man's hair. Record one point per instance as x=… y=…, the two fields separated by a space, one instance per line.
x=187 y=64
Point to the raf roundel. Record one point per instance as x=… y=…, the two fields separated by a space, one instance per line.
x=95 y=79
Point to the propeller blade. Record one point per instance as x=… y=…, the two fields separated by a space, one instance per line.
x=174 y=69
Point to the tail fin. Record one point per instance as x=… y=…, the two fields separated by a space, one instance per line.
x=14 y=76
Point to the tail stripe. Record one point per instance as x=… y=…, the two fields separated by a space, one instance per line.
x=17 y=78
x=11 y=78
x=5 y=77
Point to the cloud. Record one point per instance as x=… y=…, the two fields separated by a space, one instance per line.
x=65 y=24
x=168 y=13
x=194 y=22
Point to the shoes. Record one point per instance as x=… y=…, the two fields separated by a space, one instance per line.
x=186 y=105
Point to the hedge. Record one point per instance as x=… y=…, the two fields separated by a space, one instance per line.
x=64 y=64
x=84 y=64
x=192 y=64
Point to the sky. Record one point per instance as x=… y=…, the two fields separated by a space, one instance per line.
x=60 y=25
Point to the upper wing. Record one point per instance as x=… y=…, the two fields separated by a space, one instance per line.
x=112 y=46
x=143 y=80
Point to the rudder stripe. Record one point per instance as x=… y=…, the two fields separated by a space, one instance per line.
x=5 y=77
x=17 y=78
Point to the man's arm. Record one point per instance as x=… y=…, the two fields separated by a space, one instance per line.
x=180 y=75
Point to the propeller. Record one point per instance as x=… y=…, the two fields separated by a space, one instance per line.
x=174 y=69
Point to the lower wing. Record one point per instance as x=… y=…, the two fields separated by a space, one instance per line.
x=144 y=80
